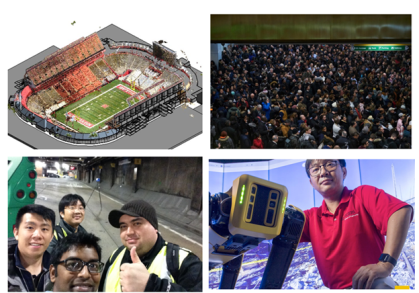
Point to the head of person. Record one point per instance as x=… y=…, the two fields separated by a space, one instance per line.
x=138 y=225
x=393 y=136
x=71 y=208
x=327 y=176
x=34 y=230
x=75 y=263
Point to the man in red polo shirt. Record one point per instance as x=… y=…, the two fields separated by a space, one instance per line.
x=347 y=231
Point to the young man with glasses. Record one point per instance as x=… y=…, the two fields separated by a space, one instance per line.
x=28 y=262
x=75 y=264
x=347 y=231
x=71 y=208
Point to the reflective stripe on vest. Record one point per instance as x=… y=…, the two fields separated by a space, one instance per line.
x=56 y=235
x=157 y=267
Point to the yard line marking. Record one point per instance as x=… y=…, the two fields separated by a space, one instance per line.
x=93 y=98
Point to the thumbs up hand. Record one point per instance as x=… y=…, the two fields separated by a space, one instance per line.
x=134 y=277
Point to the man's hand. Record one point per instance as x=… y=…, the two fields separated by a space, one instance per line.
x=366 y=275
x=134 y=277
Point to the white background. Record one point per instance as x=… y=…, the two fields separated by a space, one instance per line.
x=28 y=27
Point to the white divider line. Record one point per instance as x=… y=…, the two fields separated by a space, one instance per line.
x=181 y=235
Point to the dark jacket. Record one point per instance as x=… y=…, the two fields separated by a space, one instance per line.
x=19 y=279
x=244 y=141
x=190 y=272
x=225 y=142
x=231 y=133
x=68 y=229
x=273 y=145
x=343 y=142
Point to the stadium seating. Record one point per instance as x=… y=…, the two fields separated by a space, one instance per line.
x=34 y=104
x=75 y=82
x=60 y=90
x=129 y=60
x=55 y=63
x=67 y=86
x=169 y=78
x=52 y=94
x=100 y=69
x=111 y=60
x=96 y=71
x=81 y=80
x=43 y=100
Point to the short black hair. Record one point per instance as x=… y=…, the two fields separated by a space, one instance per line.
x=44 y=212
x=73 y=241
x=68 y=200
x=308 y=163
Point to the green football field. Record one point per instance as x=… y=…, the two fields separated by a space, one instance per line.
x=96 y=108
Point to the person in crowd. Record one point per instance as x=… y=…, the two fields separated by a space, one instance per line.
x=274 y=142
x=224 y=141
x=257 y=142
x=313 y=87
x=244 y=139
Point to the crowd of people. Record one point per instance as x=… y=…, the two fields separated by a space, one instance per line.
x=310 y=96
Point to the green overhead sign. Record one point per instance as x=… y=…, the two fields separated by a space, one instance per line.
x=379 y=47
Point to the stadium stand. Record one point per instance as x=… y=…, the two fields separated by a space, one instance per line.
x=64 y=58
x=34 y=104
x=111 y=61
x=169 y=78
x=98 y=72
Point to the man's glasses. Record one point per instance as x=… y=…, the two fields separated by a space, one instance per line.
x=73 y=208
x=76 y=265
x=329 y=166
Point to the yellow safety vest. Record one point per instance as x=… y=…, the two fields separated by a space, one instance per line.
x=157 y=267
x=56 y=235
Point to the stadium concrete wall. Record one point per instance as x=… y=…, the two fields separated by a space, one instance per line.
x=180 y=177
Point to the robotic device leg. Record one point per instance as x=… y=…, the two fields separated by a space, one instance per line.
x=283 y=249
x=231 y=272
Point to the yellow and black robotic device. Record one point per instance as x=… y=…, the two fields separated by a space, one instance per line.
x=253 y=210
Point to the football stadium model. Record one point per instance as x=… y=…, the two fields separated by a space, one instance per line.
x=96 y=90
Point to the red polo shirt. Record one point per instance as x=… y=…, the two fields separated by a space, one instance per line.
x=351 y=237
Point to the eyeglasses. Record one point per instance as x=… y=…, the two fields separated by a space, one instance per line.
x=77 y=265
x=73 y=208
x=329 y=166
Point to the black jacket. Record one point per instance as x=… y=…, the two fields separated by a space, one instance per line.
x=343 y=142
x=19 y=279
x=245 y=142
x=190 y=272
x=273 y=145
x=68 y=229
